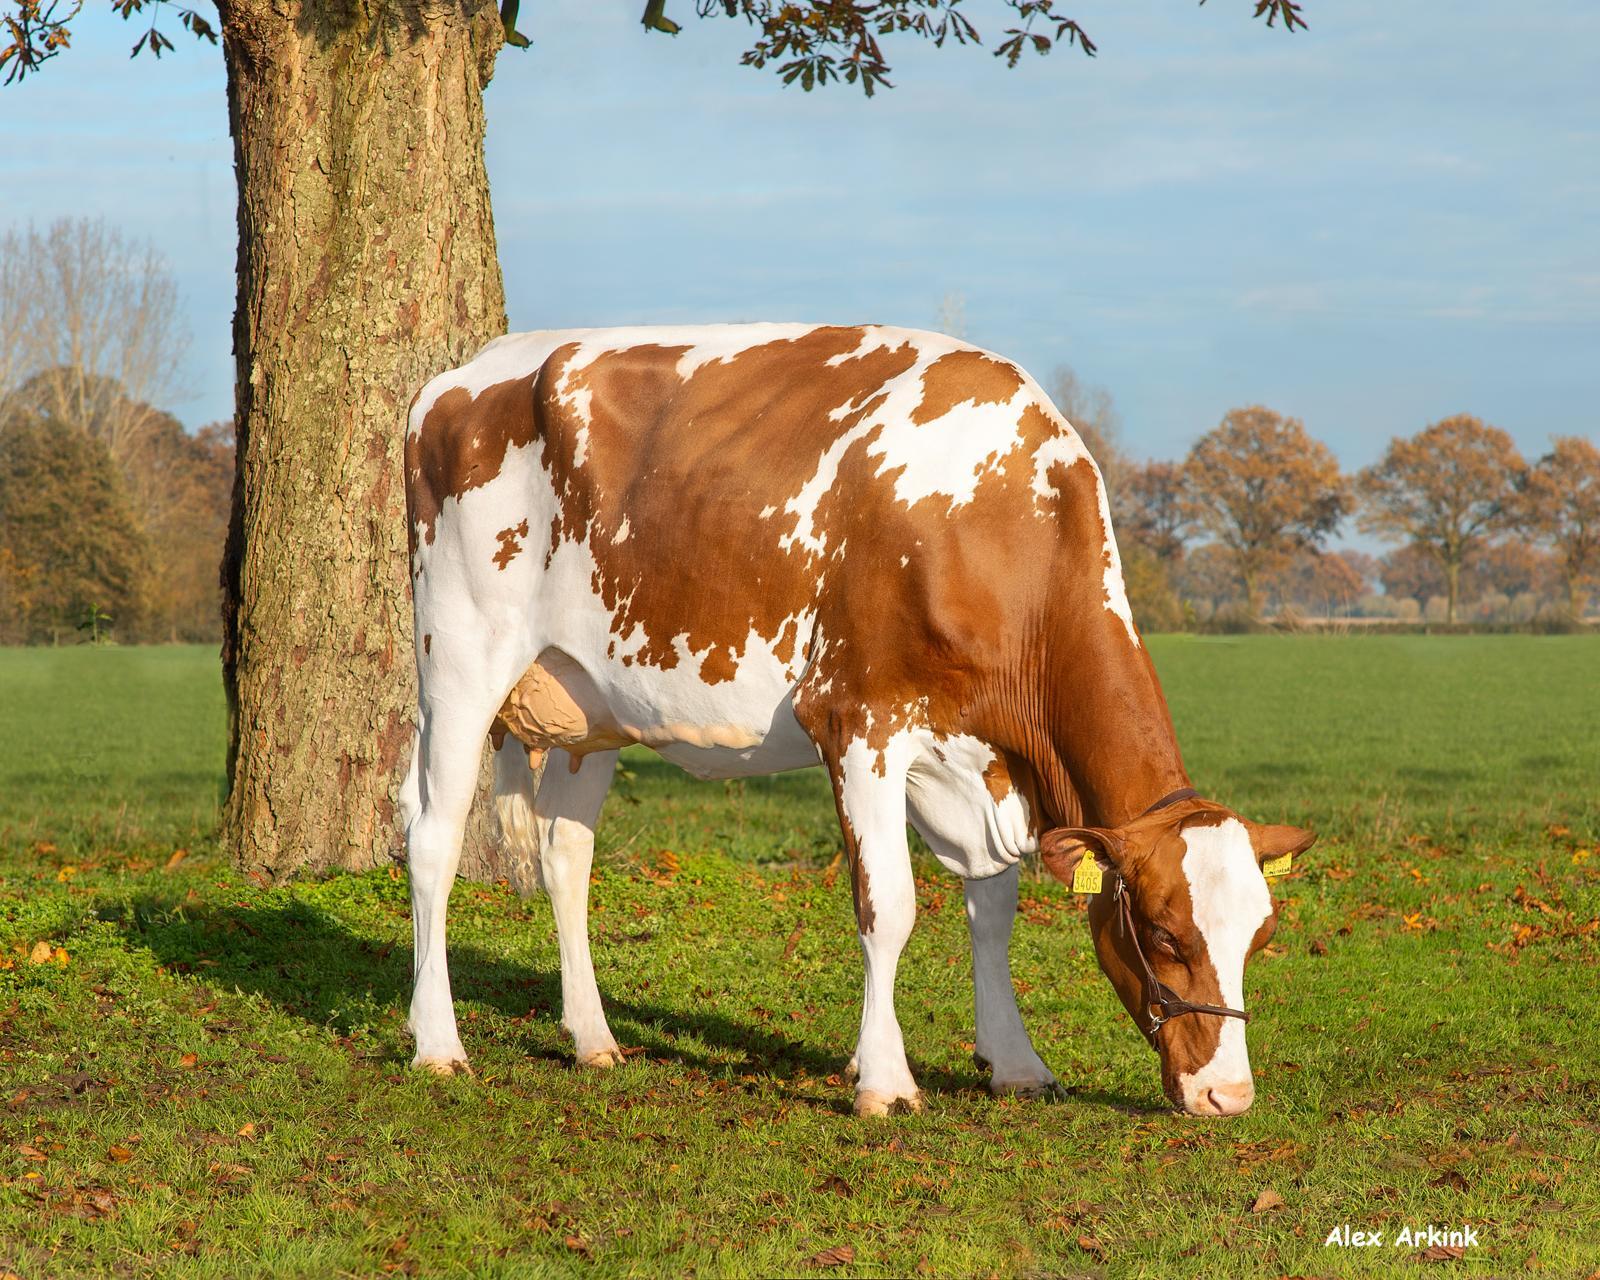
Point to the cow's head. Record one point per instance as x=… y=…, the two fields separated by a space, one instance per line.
x=1200 y=908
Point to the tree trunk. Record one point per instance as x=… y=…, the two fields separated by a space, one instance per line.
x=366 y=265
x=1452 y=584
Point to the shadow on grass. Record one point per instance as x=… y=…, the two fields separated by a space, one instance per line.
x=309 y=964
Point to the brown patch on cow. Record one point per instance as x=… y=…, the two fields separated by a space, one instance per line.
x=460 y=446
x=510 y=544
x=719 y=666
x=997 y=779
x=965 y=377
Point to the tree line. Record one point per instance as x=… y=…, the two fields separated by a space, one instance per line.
x=112 y=516
x=1240 y=527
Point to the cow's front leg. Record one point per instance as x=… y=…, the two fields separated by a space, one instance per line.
x=870 y=788
x=1002 y=1041
x=565 y=811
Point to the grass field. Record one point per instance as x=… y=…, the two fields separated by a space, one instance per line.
x=202 y=1076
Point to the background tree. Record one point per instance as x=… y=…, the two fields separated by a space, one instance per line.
x=1510 y=567
x=1411 y=572
x=1323 y=582
x=180 y=487
x=1264 y=489
x=70 y=536
x=92 y=325
x=367 y=263
x=1448 y=489
x=1560 y=504
x=1206 y=577
x=1154 y=510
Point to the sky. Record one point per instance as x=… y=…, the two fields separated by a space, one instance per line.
x=1370 y=225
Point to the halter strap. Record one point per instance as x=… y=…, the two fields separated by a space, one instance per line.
x=1172 y=797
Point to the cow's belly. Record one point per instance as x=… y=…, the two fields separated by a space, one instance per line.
x=743 y=727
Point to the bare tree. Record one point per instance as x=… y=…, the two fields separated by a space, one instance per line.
x=951 y=317
x=89 y=324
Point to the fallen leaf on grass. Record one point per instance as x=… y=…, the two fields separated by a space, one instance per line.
x=1091 y=1245
x=577 y=1245
x=118 y=1152
x=1442 y=1253
x=1450 y=1179
x=838 y=1256
x=1266 y=1201
x=834 y=1183
x=42 y=953
x=248 y=1130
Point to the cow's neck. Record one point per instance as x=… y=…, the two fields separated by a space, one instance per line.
x=1111 y=750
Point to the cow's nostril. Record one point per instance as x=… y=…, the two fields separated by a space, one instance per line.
x=1230 y=1100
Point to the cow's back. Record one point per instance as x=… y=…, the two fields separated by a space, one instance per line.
x=691 y=506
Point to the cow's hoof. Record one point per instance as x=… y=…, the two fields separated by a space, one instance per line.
x=603 y=1058
x=869 y=1102
x=852 y=1073
x=442 y=1066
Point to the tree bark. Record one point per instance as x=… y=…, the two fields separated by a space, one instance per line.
x=1452 y=579
x=366 y=265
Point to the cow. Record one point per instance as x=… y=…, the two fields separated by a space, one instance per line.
x=755 y=548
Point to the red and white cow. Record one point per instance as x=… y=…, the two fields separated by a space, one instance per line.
x=766 y=547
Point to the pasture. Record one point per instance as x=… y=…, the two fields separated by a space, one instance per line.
x=202 y=1075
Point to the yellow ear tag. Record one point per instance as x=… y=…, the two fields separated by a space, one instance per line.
x=1277 y=866
x=1088 y=877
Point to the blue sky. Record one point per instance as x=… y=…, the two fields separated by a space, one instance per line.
x=1389 y=218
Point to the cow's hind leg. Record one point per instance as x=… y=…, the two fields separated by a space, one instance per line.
x=565 y=813
x=871 y=792
x=435 y=799
x=1001 y=1039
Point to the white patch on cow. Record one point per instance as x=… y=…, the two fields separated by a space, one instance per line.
x=874 y=337
x=1116 y=590
x=513 y=356
x=968 y=830
x=1231 y=901
x=949 y=455
x=621 y=534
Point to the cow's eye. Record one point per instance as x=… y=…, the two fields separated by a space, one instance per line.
x=1165 y=942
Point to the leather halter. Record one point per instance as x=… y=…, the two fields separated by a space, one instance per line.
x=1161 y=1002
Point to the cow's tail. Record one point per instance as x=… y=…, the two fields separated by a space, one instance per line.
x=515 y=785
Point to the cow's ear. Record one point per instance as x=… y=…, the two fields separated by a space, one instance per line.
x=1273 y=843
x=1063 y=849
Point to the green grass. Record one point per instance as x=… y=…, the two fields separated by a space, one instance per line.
x=1424 y=1033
